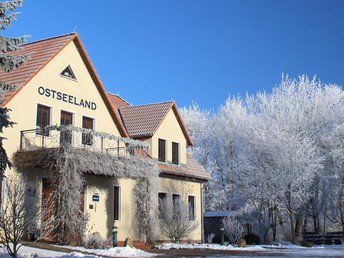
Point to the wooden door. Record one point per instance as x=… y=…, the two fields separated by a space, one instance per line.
x=49 y=209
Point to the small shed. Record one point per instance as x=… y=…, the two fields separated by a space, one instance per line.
x=213 y=223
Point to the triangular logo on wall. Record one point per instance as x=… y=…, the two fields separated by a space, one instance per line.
x=68 y=72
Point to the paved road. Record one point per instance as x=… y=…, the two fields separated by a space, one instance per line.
x=328 y=251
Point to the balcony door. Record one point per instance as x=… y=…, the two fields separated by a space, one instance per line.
x=66 y=135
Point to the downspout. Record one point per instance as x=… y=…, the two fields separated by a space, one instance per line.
x=202 y=212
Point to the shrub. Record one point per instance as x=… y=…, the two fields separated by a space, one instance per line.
x=175 y=223
x=95 y=241
x=233 y=229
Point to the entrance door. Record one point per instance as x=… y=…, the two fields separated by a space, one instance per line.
x=49 y=210
x=66 y=119
x=51 y=204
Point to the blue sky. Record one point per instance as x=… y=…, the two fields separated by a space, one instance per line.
x=149 y=51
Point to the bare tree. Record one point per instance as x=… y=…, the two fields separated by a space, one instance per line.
x=20 y=216
x=175 y=222
x=233 y=229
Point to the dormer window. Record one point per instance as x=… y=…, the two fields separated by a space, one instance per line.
x=68 y=73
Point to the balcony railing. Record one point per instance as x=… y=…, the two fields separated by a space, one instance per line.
x=81 y=138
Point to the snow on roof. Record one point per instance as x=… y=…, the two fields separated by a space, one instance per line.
x=213 y=214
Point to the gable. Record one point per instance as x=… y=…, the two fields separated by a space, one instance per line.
x=82 y=97
x=142 y=121
x=52 y=47
x=170 y=128
x=170 y=131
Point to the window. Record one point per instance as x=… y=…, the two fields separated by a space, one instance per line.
x=162 y=204
x=87 y=123
x=116 y=202
x=162 y=150
x=68 y=72
x=43 y=119
x=191 y=202
x=176 y=206
x=175 y=153
x=66 y=119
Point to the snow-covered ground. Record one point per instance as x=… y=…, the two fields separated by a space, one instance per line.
x=116 y=251
x=127 y=251
x=262 y=250
x=190 y=249
x=26 y=251
x=208 y=247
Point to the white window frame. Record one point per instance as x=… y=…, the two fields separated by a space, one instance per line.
x=94 y=126
x=51 y=116
x=164 y=192
x=166 y=150
x=178 y=153
x=73 y=122
x=180 y=199
x=195 y=206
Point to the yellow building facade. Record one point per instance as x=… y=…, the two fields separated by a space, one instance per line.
x=59 y=86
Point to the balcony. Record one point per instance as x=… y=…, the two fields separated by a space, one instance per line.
x=80 y=138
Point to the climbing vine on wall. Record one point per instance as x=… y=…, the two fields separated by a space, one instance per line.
x=69 y=166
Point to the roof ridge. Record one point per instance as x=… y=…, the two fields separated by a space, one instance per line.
x=58 y=36
x=162 y=102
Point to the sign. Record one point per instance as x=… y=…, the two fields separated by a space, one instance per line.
x=49 y=93
x=95 y=198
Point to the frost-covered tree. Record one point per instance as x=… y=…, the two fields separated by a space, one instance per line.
x=274 y=155
x=337 y=190
x=198 y=122
x=9 y=60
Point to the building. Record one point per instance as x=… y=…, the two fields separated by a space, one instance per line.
x=213 y=222
x=60 y=101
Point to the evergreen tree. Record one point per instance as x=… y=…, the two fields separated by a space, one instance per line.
x=9 y=60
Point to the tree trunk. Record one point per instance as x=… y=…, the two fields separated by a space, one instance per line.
x=274 y=224
x=305 y=225
x=291 y=214
x=291 y=217
x=14 y=250
x=298 y=227
x=315 y=224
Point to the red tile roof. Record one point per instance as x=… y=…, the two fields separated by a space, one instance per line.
x=117 y=100
x=192 y=170
x=142 y=121
x=40 y=52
